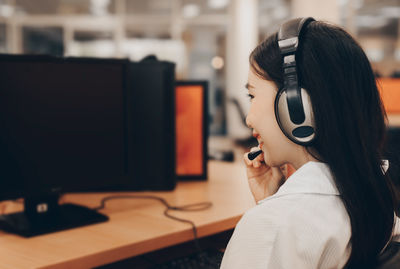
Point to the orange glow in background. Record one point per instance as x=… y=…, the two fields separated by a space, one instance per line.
x=389 y=89
x=189 y=130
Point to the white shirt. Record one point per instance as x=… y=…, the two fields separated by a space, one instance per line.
x=303 y=225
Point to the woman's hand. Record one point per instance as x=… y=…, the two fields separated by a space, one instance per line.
x=264 y=180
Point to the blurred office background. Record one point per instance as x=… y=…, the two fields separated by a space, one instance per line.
x=207 y=39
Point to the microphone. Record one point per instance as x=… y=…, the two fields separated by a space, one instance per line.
x=252 y=155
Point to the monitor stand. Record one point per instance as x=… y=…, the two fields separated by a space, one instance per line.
x=44 y=215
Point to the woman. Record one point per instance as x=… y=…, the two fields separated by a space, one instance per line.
x=337 y=209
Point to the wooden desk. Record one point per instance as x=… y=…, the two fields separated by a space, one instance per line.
x=136 y=226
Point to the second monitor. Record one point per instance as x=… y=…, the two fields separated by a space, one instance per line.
x=191 y=129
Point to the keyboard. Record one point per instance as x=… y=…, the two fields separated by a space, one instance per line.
x=206 y=259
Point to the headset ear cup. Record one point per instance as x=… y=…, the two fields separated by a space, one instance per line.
x=303 y=133
x=280 y=102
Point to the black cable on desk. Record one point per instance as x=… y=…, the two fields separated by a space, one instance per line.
x=190 y=207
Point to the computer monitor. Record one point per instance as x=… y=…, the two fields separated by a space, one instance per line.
x=62 y=128
x=81 y=124
x=191 y=129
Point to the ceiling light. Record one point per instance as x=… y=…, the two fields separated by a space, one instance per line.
x=217 y=62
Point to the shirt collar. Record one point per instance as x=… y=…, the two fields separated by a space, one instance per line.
x=311 y=177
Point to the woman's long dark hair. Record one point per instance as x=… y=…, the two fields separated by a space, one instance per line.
x=350 y=128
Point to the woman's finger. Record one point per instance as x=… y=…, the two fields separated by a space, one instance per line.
x=246 y=158
x=254 y=149
x=261 y=157
x=255 y=163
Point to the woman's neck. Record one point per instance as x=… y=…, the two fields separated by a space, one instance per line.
x=301 y=157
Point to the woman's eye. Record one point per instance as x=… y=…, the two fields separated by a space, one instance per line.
x=250 y=96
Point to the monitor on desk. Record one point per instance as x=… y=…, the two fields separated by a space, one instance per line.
x=71 y=124
x=191 y=129
x=62 y=129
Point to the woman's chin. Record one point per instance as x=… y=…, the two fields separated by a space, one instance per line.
x=272 y=162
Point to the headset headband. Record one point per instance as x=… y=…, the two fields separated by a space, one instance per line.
x=288 y=35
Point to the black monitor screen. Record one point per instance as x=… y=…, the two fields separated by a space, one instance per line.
x=61 y=126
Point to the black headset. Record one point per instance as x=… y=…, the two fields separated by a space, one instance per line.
x=293 y=108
